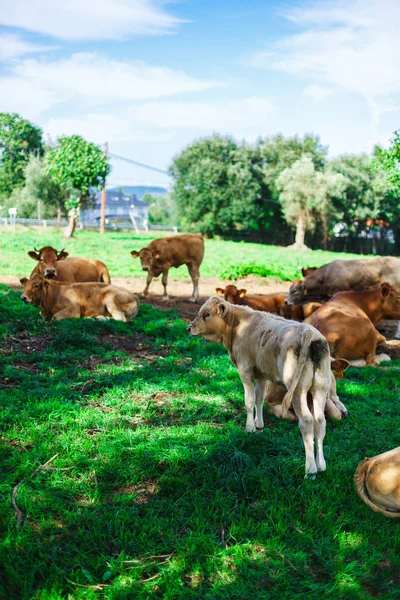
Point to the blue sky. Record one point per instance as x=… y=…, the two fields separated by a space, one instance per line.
x=151 y=76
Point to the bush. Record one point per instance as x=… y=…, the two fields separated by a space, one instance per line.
x=237 y=271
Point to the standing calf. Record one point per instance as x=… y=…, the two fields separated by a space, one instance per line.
x=265 y=347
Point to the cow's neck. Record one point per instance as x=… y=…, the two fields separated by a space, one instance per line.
x=48 y=300
x=232 y=322
x=372 y=306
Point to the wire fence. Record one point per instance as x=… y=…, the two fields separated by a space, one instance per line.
x=93 y=224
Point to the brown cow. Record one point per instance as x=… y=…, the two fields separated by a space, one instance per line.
x=308 y=270
x=54 y=264
x=298 y=312
x=348 y=322
x=162 y=254
x=264 y=303
x=333 y=408
x=70 y=301
x=344 y=275
x=377 y=482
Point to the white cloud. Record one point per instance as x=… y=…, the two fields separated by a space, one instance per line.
x=89 y=19
x=245 y=117
x=352 y=45
x=317 y=92
x=13 y=46
x=87 y=79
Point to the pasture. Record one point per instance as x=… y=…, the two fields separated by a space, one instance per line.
x=155 y=490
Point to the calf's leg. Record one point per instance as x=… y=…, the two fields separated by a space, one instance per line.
x=194 y=274
x=260 y=396
x=148 y=282
x=249 y=397
x=71 y=312
x=164 y=281
x=306 y=426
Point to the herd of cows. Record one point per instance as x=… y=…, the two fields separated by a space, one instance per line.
x=288 y=350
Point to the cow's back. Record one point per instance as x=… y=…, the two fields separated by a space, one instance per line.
x=180 y=249
x=78 y=269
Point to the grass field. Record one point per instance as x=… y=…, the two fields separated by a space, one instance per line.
x=154 y=489
x=222 y=259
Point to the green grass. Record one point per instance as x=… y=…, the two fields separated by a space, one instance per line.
x=223 y=259
x=157 y=491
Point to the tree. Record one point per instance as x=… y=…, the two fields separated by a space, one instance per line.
x=76 y=166
x=19 y=139
x=38 y=188
x=305 y=193
x=387 y=164
x=162 y=210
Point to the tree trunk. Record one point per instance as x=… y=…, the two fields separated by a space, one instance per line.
x=69 y=231
x=300 y=233
x=58 y=218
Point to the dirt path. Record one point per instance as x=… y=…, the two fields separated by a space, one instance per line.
x=181 y=289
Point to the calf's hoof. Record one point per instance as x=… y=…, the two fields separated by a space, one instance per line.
x=250 y=429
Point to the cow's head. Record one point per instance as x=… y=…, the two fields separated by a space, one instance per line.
x=149 y=258
x=212 y=319
x=47 y=258
x=297 y=292
x=33 y=289
x=231 y=294
x=391 y=301
x=293 y=313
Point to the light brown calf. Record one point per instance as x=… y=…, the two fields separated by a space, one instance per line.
x=54 y=264
x=348 y=322
x=377 y=482
x=334 y=408
x=265 y=347
x=162 y=254
x=70 y=301
x=265 y=303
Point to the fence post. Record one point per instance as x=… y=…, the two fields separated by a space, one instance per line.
x=103 y=198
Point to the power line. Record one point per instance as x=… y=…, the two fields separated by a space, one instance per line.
x=138 y=164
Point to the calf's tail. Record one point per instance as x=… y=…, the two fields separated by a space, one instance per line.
x=360 y=477
x=105 y=275
x=301 y=361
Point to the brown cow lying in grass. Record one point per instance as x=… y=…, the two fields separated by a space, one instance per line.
x=377 y=482
x=348 y=322
x=162 y=254
x=298 y=312
x=265 y=347
x=265 y=303
x=333 y=408
x=70 y=301
x=55 y=264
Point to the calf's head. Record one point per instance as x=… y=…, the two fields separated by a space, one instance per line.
x=231 y=294
x=211 y=321
x=391 y=301
x=33 y=289
x=47 y=258
x=297 y=292
x=149 y=258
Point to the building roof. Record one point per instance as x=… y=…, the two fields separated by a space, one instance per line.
x=115 y=199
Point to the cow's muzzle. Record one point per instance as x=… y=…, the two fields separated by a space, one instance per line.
x=50 y=273
x=145 y=268
x=25 y=299
x=189 y=328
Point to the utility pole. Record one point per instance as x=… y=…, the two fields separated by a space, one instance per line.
x=103 y=198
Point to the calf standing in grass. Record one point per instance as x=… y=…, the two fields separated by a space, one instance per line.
x=70 y=301
x=377 y=482
x=265 y=347
x=266 y=303
x=162 y=254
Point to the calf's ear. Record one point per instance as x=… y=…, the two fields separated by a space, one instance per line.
x=62 y=255
x=24 y=281
x=135 y=254
x=338 y=366
x=385 y=289
x=219 y=291
x=157 y=254
x=305 y=290
x=242 y=293
x=34 y=255
x=222 y=310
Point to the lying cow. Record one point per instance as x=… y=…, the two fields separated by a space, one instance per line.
x=344 y=275
x=265 y=303
x=55 y=264
x=162 y=254
x=333 y=408
x=70 y=301
x=377 y=482
x=348 y=322
x=298 y=312
x=266 y=347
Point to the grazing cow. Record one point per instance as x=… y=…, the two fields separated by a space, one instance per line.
x=344 y=275
x=265 y=347
x=377 y=482
x=54 y=264
x=348 y=322
x=265 y=303
x=298 y=312
x=73 y=300
x=162 y=254
x=333 y=408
